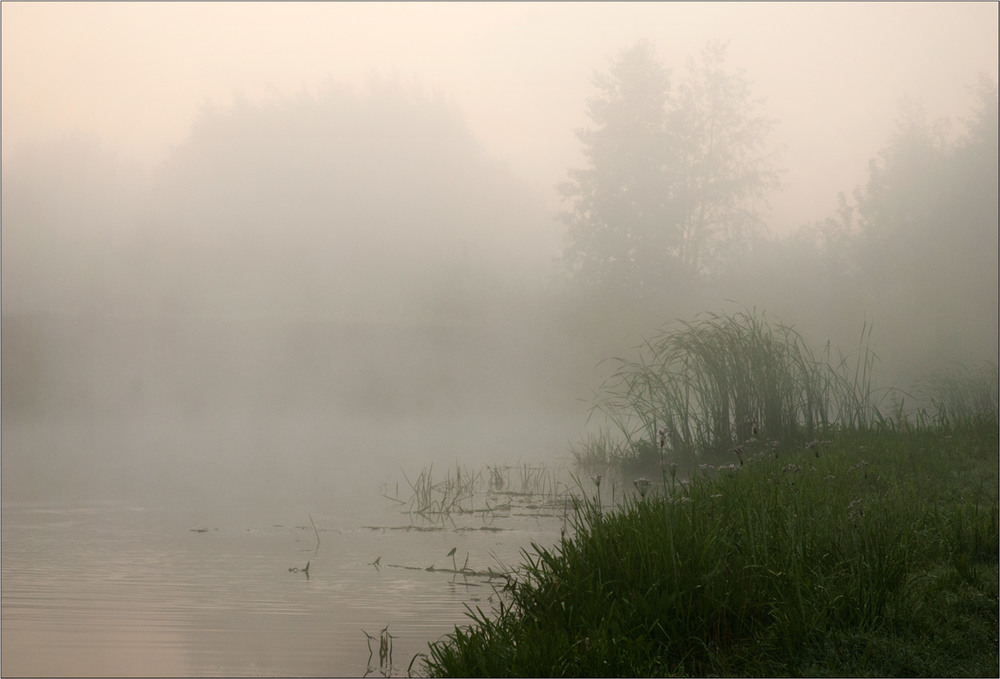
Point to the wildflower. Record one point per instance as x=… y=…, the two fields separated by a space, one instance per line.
x=597 y=480
x=673 y=469
x=791 y=468
x=717 y=495
x=662 y=437
x=774 y=447
x=731 y=468
x=642 y=485
x=855 y=511
x=863 y=465
x=739 y=453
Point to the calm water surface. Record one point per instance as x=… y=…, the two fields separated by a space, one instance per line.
x=119 y=589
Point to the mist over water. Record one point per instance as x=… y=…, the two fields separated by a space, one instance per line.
x=307 y=296
x=316 y=291
x=310 y=292
x=207 y=413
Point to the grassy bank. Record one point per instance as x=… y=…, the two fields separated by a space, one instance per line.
x=869 y=554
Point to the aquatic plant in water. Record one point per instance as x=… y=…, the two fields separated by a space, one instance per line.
x=474 y=492
x=384 y=640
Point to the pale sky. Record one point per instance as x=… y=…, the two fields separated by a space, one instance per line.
x=137 y=74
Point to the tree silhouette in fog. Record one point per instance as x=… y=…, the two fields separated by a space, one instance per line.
x=332 y=204
x=70 y=207
x=675 y=175
x=927 y=229
x=912 y=251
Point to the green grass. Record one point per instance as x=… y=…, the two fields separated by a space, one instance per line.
x=872 y=554
x=796 y=529
x=696 y=390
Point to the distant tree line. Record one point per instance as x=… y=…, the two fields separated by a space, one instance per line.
x=920 y=240
x=665 y=217
x=340 y=203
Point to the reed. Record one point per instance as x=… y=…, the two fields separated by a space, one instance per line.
x=597 y=452
x=697 y=390
x=384 y=641
x=961 y=398
x=496 y=486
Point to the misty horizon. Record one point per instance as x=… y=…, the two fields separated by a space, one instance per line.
x=370 y=241
x=267 y=268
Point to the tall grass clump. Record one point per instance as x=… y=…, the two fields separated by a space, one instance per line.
x=700 y=389
x=873 y=558
x=961 y=398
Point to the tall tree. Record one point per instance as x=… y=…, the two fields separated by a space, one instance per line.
x=620 y=211
x=927 y=242
x=674 y=178
x=724 y=165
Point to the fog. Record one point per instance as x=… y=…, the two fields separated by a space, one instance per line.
x=266 y=255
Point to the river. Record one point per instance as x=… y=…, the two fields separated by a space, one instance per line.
x=124 y=589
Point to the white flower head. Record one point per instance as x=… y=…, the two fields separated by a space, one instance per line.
x=642 y=485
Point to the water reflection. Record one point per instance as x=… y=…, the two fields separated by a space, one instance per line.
x=118 y=590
